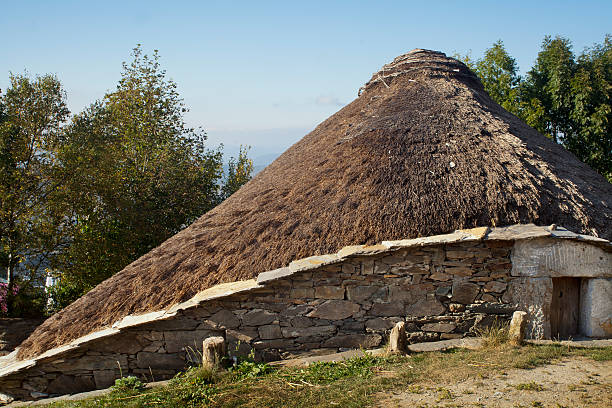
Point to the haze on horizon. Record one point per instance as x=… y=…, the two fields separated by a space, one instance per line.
x=264 y=74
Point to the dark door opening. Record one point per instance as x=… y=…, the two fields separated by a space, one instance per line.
x=565 y=308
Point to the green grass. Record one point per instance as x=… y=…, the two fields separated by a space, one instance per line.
x=530 y=386
x=351 y=383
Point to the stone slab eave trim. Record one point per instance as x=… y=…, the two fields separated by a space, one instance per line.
x=474 y=234
x=510 y=233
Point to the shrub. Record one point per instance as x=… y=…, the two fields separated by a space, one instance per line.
x=129 y=383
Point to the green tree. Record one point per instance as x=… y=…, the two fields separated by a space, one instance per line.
x=547 y=92
x=31 y=116
x=498 y=73
x=138 y=175
x=591 y=110
x=238 y=173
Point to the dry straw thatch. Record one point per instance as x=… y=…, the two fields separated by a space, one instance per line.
x=423 y=150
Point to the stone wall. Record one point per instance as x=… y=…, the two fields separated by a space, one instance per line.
x=14 y=331
x=442 y=287
x=441 y=292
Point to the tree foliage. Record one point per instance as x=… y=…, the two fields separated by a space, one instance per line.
x=140 y=174
x=32 y=112
x=85 y=198
x=238 y=173
x=499 y=74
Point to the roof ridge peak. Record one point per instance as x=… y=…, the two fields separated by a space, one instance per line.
x=417 y=60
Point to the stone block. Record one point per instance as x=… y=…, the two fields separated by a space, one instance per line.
x=387 y=309
x=410 y=270
x=308 y=332
x=335 y=310
x=313 y=262
x=104 y=378
x=273 y=275
x=182 y=340
x=35 y=384
x=465 y=292
x=367 y=266
x=243 y=334
x=440 y=327
x=491 y=308
x=273 y=344
x=421 y=337
x=486 y=297
x=348 y=268
x=68 y=384
x=393 y=259
x=439 y=276
x=397 y=338
x=381 y=295
x=160 y=361
x=534 y=296
x=459 y=254
x=480 y=279
x=350 y=325
x=258 y=317
x=89 y=363
x=302 y=284
x=353 y=341
x=425 y=307
x=518 y=324
x=154 y=346
x=238 y=349
x=128 y=342
x=329 y=292
x=400 y=294
x=596 y=307
x=379 y=324
x=380 y=267
x=225 y=319
x=494 y=286
x=298 y=310
x=456 y=308
x=270 y=331
x=548 y=257
x=358 y=293
x=301 y=321
x=302 y=293
x=443 y=291
x=459 y=271
x=450 y=336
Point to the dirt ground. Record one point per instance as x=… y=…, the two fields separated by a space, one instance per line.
x=571 y=382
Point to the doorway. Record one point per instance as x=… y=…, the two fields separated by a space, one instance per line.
x=565 y=308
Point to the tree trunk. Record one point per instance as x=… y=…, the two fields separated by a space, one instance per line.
x=10 y=271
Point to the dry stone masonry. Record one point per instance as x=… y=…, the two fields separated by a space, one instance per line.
x=441 y=287
x=13 y=331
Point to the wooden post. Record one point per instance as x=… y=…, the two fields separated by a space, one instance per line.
x=213 y=350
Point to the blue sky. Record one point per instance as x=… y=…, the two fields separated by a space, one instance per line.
x=264 y=73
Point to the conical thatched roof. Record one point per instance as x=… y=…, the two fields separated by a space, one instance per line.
x=423 y=150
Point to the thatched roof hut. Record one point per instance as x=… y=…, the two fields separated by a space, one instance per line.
x=423 y=150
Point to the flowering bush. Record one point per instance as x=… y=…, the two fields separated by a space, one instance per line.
x=4 y=294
